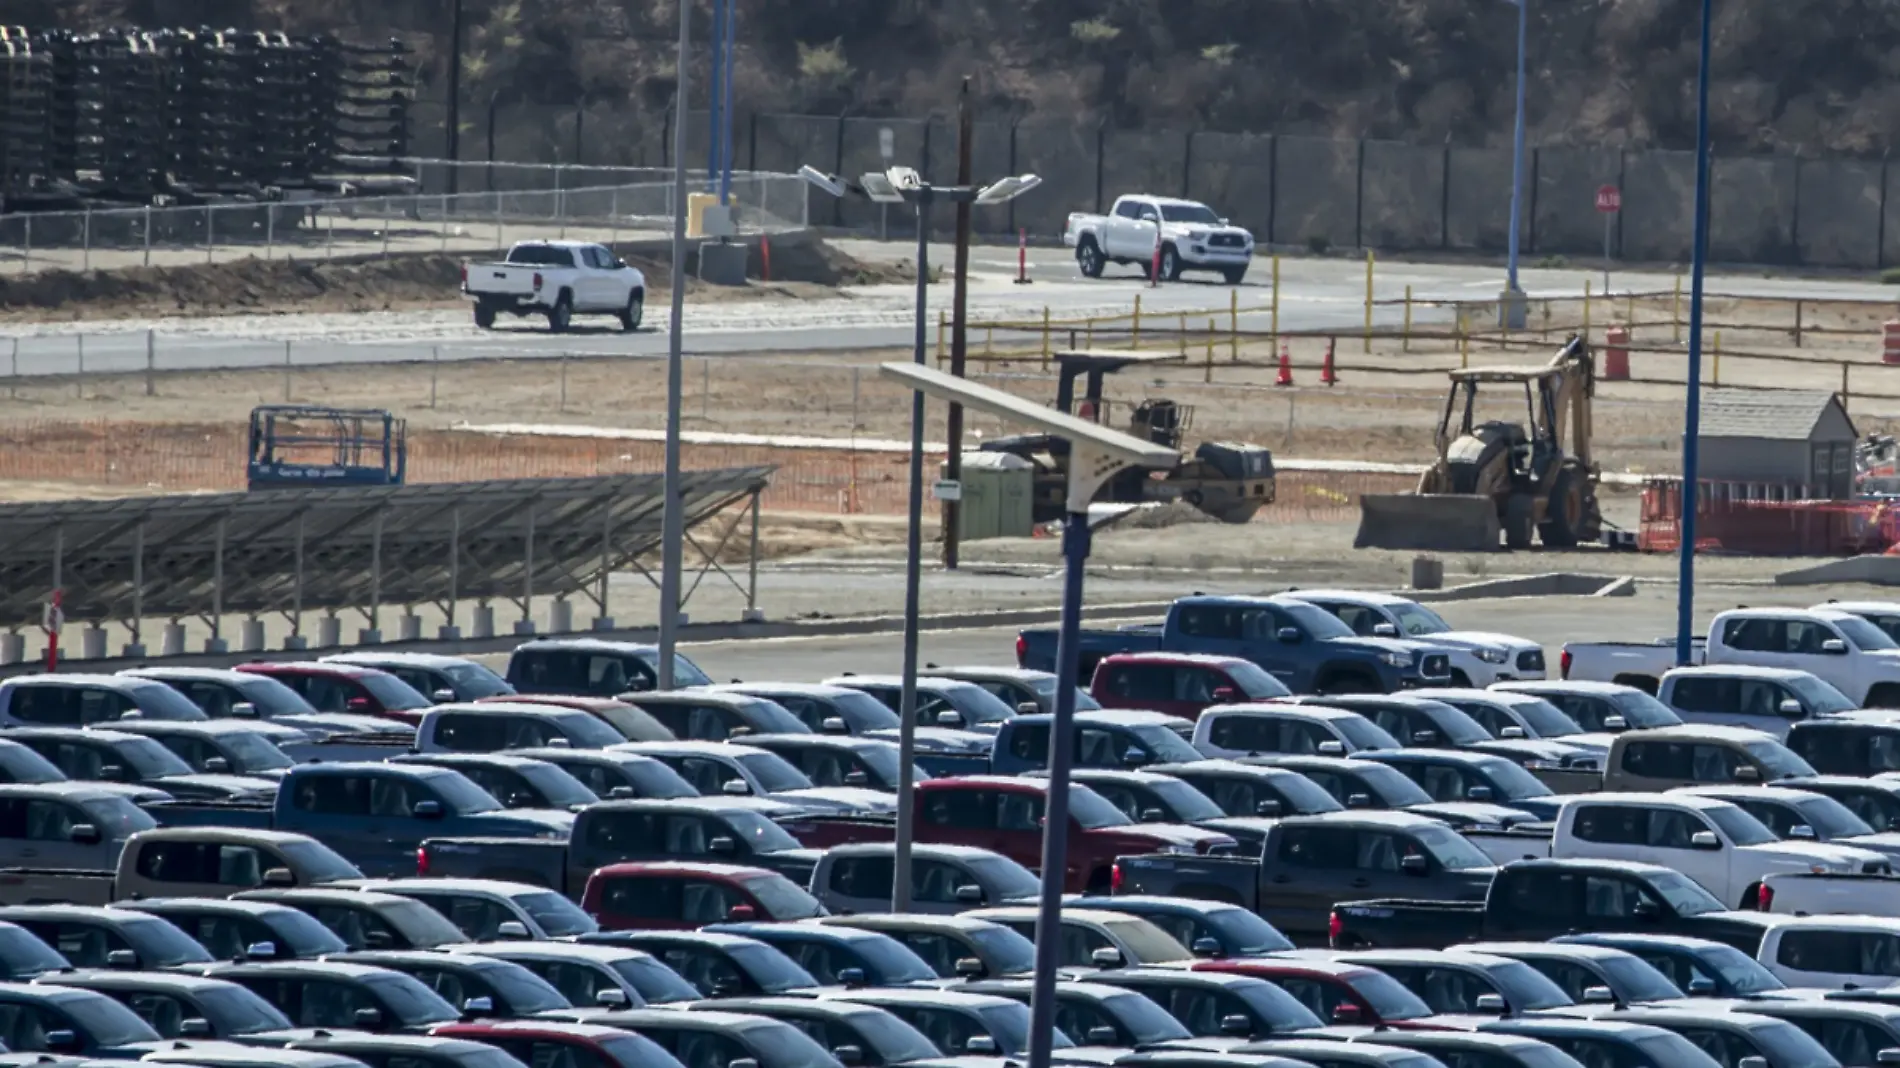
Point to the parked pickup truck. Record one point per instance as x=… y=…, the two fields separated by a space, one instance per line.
x=1004 y=815
x=1535 y=900
x=1184 y=235
x=1808 y=893
x=726 y=830
x=1309 y=864
x=1766 y=699
x=558 y=279
x=1478 y=658
x=169 y=863
x=1839 y=647
x=1305 y=647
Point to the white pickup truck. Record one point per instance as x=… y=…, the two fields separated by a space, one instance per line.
x=557 y=279
x=1186 y=235
x=1837 y=646
x=1478 y=658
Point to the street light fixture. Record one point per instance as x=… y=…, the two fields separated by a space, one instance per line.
x=900 y=185
x=1096 y=454
x=1514 y=309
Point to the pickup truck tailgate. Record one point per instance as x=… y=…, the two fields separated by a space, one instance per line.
x=529 y=860
x=1215 y=878
x=500 y=279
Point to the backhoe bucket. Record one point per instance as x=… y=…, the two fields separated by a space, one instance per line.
x=1443 y=523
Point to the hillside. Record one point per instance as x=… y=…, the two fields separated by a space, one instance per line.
x=1809 y=76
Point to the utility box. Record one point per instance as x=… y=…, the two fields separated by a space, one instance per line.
x=998 y=495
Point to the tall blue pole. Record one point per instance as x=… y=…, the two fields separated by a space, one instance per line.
x=725 y=135
x=1692 y=413
x=1517 y=140
x=714 y=80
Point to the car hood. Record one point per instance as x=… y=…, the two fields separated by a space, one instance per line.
x=203 y=786
x=941 y=739
x=1594 y=741
x=1472 y=639
x=1887 y=842
x=1527 y=749
x=1379 y=645
x=1475 y=811
x=1170 y=833
x=1836 y=857
x=132 y=792
x=294 y=1034
x=840 y=799
x=1088 y=1055
x=544 y=822
x=323 y=724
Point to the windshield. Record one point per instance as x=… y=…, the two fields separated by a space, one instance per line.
x=882 y=761
x=555 y=915
x=472 y=680
x=304 y=933
x=1008 y=1023
x=1093 y=811
x=1006 y=951
x=1362 y=733
x=1637 y=981
x=862 y=712
x=1863 y=634
x=25 y=956
x=1280 y=1010
x=1146 y=1021
x=652 y=778
x=760 y=833
x=1388 y=786
x=1454 y=725
x=1186 y=803
x=522 y=990
x=772 y=970
x=1389 y=999
x=1777 y=760
x=155 y=700
x=782 y=898
x=1255 y=683
x=272 y=698
x=423 y=926
x=1684 y=894
x=1669 y=1050
x=656 y=983
x=1450 y=849
x=104 y=1021
x=1314 y=620
x=251 y=752
x=18 y=764
x=1819 y=696
x=1830 y=818
x=1545 y=719
x=1166 y=746
x=1416 y=620
x=1510 y=781
x=769 y=717
x=1044 y=684
x=1008 y=878
x=586 y=732
x=633 y=724
x=1642 y=710
x=892 y=1040
x=1740 y=827
x=392 y=692
x=1524 y=987
x=774 y=773
x=631 y=1051
x=977 y=704
x=159 y=944
x=463 y=797
x=408 y=1000
x=1740 y=972
x=318 y=863
x=555 y=784
x=1306 y=797
x=1246 y=934
x=1148 y=943
x=685 y=673
x=149 y=759
x=116 y=817
x=1544 y=1055
x=891 y=962
x=1190 y=213
x=1787 y=1046
x=240 y=1012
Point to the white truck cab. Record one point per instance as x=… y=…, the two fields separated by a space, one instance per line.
x=1833 y=951
x=1478 y=658
x=1839 y=647
x=558 y=280
x=1766 y=699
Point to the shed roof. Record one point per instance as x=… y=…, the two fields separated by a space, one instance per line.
x=1774 y=414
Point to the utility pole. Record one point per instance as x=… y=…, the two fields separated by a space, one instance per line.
x=959 y=300
x=455 y=92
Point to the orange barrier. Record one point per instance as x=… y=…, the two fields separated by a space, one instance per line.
x=1286 y=366
x=1764 y=519
x=1890 y=341
x=1616 y=354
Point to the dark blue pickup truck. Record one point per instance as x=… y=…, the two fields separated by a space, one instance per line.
x=1306 y=648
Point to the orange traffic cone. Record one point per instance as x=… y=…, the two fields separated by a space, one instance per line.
x=1286 y=367
x=1326 y=374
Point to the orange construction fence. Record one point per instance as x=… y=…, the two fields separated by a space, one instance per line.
x=1765 y=519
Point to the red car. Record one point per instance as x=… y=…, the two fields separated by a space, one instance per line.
x=535 y=1042
x=1180 y=684
x=681 y=896
x=1004 y=816
x=1346 y=994
x=363 y=691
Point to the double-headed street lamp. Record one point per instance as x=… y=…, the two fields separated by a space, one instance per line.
x=902 y=185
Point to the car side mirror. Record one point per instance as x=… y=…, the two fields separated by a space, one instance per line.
x=1645 y=909
x=1106 y=957
x=970 y=894
x=368 y=1019
x=1330 y=749
x=261 y=951
x=1834 y=647
x=856 y=778
x=1237 y=1026
x=1478 y=793
x=1790 y=709
x=1752 y=1062
x=736 y=788
x=357 y=704
x=1704 y=840
x=85 y=834
x=1747 y=773
x=1801 y=830
x=1888 y=1056
x=122 y=958
x=217 y=766
x=1491 y=1003
x=848 y=1055
x=1347 y=1013
x=1100 y=1036
x=1206 y=947
x=742 y=914
x=1152 y=815
x=970 y=968
x=1225 y=695
x=980 y=1044
x=1893 y=823
x=1701 y=986
x=1384 y=630
x=1424 y=737
x=244 y=710
x=195 y=1027
x=1358 y=801
x=851 y=977
x=1028 y=708
x=62 y=1041
x=1615 y=723
x=1414 y=865
x=621 y=793
x=511 y=929
x=1271 y=809
x=1598 y=995
x=950 y=717
x=833 y=725
x=742 y=1062
x=722 y=844
x=279 y=877
x=611 y=998
x=1133 y=758
x=1511 y=732
x=1288 y=635
x=442 y=696
x=475 y=1007
x=112 y=772
x=428 y=810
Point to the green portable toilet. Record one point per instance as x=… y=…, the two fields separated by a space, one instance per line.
x=998 y=493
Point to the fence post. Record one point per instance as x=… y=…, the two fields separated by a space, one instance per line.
x=1233 y=326
x=1843 y=385
x=943 y=325
x=270 y=230
x=286 y=372
x=613 y=212
x=560 y=201
x=1359 y=200
x=148 y=235
x=1797 y=323
x=1368 y=301
x=1275 y=338
x=151 y=363
x=1586 y=309
x=211 y=234
x=1207 y=375
x=85 y=254
x=26 y=249
x=1407 y=344
x=1675 y=312
x=1135 y=343
x=1183 y=331
x=442 y=224
x=1045 y=337
x=1715 y=378
x=1444 y=200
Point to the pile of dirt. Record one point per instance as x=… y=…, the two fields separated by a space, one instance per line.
x=802 y=267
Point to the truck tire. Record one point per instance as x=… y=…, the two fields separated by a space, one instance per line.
x=1170 y=264
x=1565 y=515
x=561 y=316
x=635 y=310
x=1348 y=680
x=484 y=315
x=1088 y=256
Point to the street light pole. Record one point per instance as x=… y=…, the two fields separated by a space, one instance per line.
x=672 y=524
x=1515 y=310
x=1692 y=404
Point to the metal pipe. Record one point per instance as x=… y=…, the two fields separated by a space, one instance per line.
x=1692 y=404
x=959 y=327
x=1517 y=140
x=913 y=578
x=672 y=527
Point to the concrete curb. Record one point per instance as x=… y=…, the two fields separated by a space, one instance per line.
x=1554 y=584
x=1872 y=569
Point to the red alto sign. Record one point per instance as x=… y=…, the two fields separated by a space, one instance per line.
x=1609 y=199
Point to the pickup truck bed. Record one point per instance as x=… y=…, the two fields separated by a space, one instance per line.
x=55 y=886
x=548 y=862
x=170 y=813
x=1427 y=924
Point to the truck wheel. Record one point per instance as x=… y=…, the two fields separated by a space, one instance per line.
x=1460 y=680
x=1234 y=275
x=636 y=310
x=1089 y=258
x=1565 y=513
x=485 y=316
x=560 y=315
x=1170 y=264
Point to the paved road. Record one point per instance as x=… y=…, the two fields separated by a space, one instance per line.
x=1315 y=295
